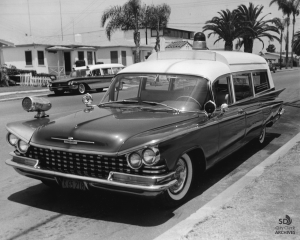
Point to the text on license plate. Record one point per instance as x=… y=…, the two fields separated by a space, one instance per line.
x=73 y=184
x=59 y=89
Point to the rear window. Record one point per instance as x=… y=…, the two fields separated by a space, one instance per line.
x=260 y=81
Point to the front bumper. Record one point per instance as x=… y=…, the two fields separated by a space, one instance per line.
x=119 y=182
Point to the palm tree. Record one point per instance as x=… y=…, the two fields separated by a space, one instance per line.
x=126 y=17
x=296 y=43
x=255 y=27
x=286 y=7
x=225 y=27
x=295 y=12
x=280 y=24
x=159 y=17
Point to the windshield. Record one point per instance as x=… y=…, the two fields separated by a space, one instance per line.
x=157 y=91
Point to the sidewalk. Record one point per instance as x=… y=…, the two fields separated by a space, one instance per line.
x=266 y=206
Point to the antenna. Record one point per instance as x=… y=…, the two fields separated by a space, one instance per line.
x=29 y=16
x=62 y=35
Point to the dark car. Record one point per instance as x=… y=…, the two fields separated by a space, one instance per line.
x=83 y=79
x=182 y=112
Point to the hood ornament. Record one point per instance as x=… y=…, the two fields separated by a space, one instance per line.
x=70 y=140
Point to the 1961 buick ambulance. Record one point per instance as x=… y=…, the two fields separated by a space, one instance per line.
x=181 y=113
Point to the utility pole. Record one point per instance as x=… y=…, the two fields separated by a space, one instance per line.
x=29 y=17
x=62 y=35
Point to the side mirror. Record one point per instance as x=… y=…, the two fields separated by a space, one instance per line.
x=224 y=107
x=210 y=107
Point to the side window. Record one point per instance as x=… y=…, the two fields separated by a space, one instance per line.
x=260 y=81
x=242 y=86
x=96 y=72
x=106 y=71
x=222 y=91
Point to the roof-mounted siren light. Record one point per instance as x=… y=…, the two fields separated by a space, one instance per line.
x=199 y=41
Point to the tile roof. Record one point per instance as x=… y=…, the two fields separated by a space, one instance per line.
x=178 y=44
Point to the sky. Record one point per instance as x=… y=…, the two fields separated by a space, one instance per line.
x=62 y=19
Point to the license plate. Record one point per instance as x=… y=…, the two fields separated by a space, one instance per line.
x=73 y=184
x=59 y=89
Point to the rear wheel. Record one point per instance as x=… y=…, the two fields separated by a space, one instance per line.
x=81 y=88
x=58 y=92
x=262 y=136
x=184 y=174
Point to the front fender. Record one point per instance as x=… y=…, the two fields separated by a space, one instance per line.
x=25 y=129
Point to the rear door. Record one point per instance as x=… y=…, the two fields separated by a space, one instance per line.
x=232 y=121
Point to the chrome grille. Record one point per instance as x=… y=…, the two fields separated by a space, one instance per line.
x=87 y=164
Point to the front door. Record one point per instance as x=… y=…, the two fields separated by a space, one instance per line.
x=232 y=125
x=67 y=57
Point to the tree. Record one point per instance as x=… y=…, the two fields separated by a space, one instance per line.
x=271 y=48
x=158 y=19
x=255 y=27
x=225 y=27
x=286 y=7
x=280 y=24
x=295 y=12
x=126 y=17
x=296 y=43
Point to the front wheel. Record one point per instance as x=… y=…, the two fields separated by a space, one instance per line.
x=176 y=194
x=81 y=88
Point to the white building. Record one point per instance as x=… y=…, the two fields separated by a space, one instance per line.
x=59 y=57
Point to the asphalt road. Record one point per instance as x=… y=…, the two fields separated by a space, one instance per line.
x=30 y=210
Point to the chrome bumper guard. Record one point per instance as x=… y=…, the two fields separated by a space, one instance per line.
x=116 y=180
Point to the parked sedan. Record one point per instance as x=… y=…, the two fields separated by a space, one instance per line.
x=183 y=112
x=83 y=79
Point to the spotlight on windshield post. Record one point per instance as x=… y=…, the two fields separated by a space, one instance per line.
x=36 y=104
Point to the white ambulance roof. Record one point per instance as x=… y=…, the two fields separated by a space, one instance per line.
x=97 y=66
x=205 y=63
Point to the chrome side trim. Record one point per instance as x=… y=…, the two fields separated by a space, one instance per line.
x=151 y=188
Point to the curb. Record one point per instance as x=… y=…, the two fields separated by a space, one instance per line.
x=183 y=228
x=17 y=98
x=20 y=92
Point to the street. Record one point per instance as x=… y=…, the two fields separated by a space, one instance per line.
x=31 y=210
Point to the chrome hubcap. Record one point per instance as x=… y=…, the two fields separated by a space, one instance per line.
x=180 y=175
x=81 y=88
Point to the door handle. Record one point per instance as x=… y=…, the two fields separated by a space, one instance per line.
x=241 y=111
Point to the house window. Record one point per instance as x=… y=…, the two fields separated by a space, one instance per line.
x=80 y=55
x=114 y=56
x=90 y=58
x=124 y=58
x=28 y=58
x=41 y=57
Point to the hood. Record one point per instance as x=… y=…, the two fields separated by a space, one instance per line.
x=103 y=129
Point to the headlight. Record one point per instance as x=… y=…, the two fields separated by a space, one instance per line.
x=22 y=146
x=12 y=139
x=134 y=160
x=70 y=83
x=150 y=156
x=49 y=84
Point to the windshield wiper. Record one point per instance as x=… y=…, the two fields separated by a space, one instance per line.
x=161 y=104
x=122 y=101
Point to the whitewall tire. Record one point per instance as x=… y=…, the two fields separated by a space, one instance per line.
x=262 y=136
x=184 y=174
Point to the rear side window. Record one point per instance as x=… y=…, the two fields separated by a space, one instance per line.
x=260 y=81
x=242 y=86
